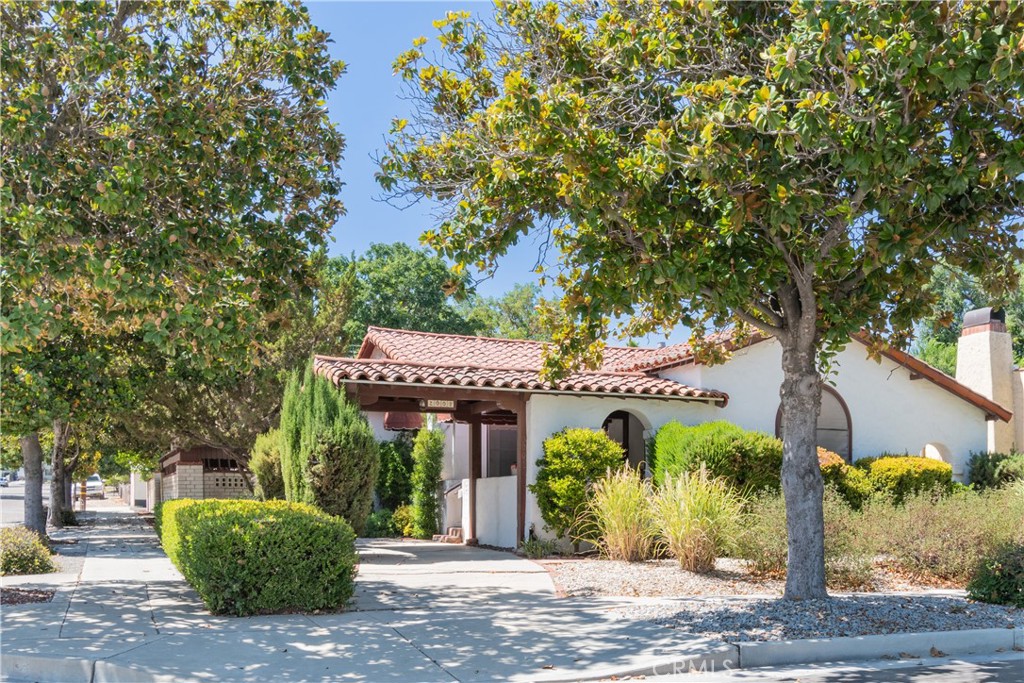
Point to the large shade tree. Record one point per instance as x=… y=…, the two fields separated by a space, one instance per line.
x=791 y=168
x=165 y=170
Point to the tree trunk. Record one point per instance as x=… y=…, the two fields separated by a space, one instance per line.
x=801 y=477
x=32 y=454
x=57 y=499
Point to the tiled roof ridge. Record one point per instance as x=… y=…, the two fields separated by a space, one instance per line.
x=449 y=335
x=475 y=366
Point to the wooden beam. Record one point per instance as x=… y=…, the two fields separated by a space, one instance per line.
x=521 y=472
x=475 y=460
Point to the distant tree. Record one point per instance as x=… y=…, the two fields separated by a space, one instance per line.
x=165 y=170
x=792 y=168
x=405 y=288
x=514 y=315
x=955 y=294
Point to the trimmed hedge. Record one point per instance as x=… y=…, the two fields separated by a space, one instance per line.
x=901 y=476
x=747 y=460
x=991 y=470
x=248 y=557
x=851 y=483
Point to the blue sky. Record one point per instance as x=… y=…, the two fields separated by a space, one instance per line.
x=368 y=36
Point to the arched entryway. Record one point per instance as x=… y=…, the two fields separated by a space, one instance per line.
x=627 y=430
x=835 y=429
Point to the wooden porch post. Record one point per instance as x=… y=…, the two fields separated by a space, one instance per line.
x=521 y=471
x=475 y=456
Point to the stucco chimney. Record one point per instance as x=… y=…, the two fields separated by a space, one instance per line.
x=984 y=363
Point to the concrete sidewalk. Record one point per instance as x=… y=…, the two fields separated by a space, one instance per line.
x=422 y=612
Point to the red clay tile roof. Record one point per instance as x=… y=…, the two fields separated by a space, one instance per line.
x=455 y=349
x=384 y=370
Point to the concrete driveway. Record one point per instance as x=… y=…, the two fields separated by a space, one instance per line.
x=404 y=574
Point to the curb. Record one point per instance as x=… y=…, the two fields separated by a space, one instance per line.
x=815 y=651
x=721 y=658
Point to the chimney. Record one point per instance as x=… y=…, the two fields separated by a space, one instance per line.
x=984 y=363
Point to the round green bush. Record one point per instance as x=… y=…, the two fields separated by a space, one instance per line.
x=23 y=552
x=573 y=460
x=247 y=557
x=402 y=519
x=1000 y=579
x=900 y=476
x=747 y=460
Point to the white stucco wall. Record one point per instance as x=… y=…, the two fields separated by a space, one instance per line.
x=496 y=510
x=889 y=412
x=547 y=415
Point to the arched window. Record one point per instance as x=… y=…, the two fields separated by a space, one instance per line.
x=835 y=431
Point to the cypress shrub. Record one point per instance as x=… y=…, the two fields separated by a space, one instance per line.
x=265 y=465
x=328 y=450
x=428 y=457
x=394 y=483
x=992 y=470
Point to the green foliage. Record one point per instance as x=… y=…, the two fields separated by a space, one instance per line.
x=945 y=536
x=988 y=470
x=574 y=460
x=698 y=518
x=250 y=557
x=956 y=292
x=539 y=548
x=381 y=524
x=748 y=460
x=23 y=552
x=209 y=206
x=514 y=315
x=852 y=483
x=394 y=483
x=937 y=354
x=328 y=450
x=403 y=520
x=265 y=465
x=1000 y=579
x=848 y=552
x=900 y=476
x=428 y=458
x=401 y=287
x=619 y=518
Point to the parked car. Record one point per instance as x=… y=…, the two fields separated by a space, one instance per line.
x=93 y=487
x=4 y=481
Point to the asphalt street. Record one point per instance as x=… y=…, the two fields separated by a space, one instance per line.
x=1006 y=667
x=12 y=502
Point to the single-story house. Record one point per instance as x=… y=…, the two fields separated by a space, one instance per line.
x=500 y=411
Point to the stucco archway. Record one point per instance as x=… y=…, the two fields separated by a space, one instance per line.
x=627 y=429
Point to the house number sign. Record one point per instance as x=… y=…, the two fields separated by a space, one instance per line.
x=439 y=404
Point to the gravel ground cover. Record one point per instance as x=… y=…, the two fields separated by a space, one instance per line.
x=663 y=578
x=21 y=596
x=749 y=619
